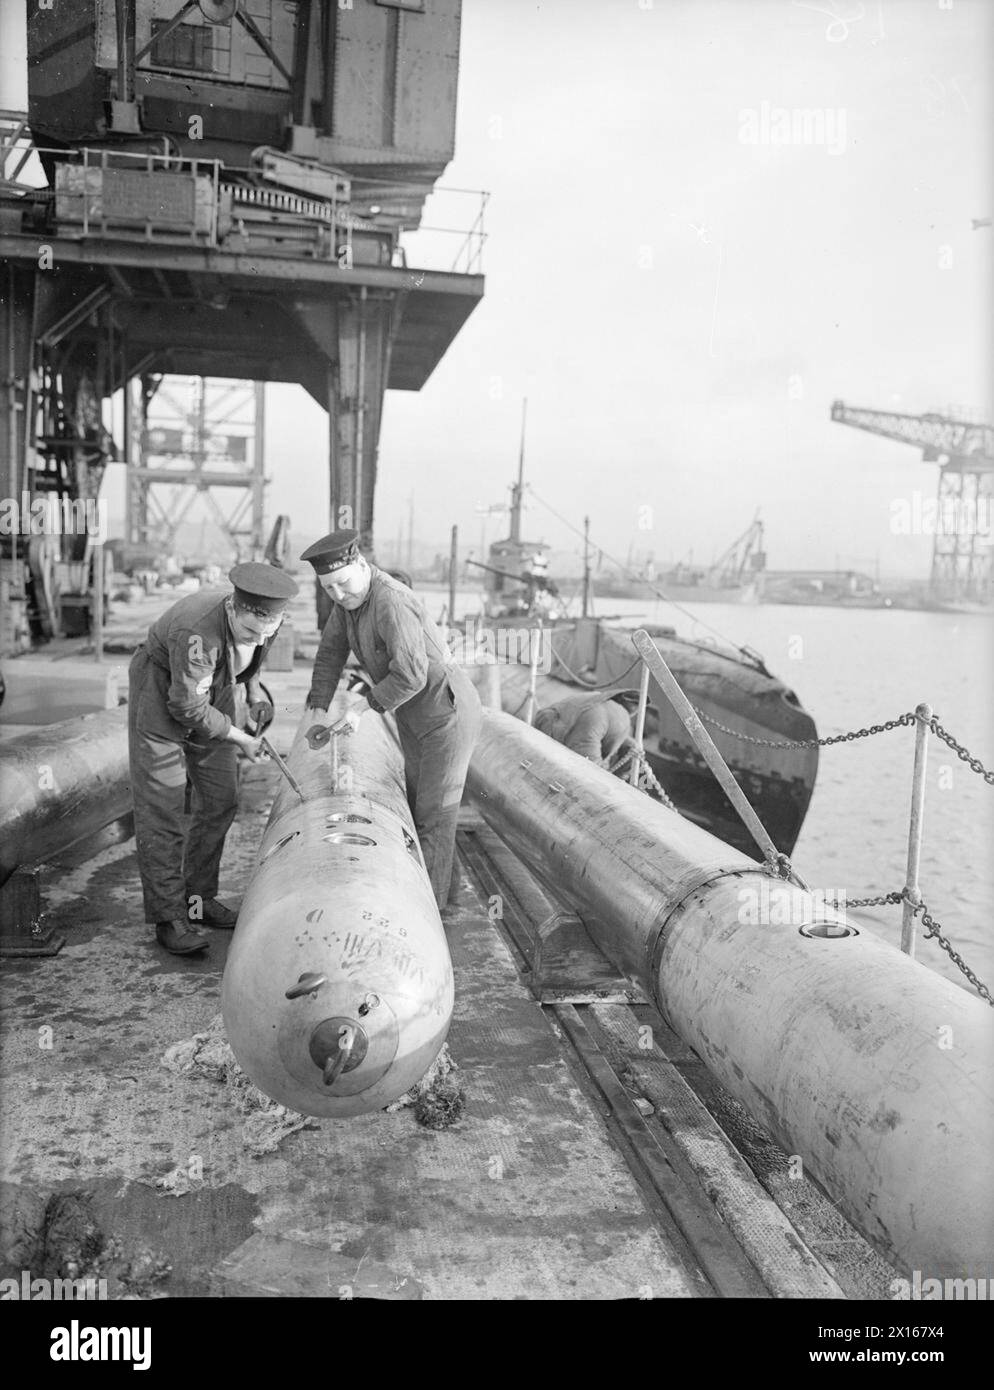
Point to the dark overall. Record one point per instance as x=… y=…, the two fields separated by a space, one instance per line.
x=438 y=743
x=436 y=706
x=184 y=697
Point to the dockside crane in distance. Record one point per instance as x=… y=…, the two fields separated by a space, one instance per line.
x=745 y=553
x=964 y=451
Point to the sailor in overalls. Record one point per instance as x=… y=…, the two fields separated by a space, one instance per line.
x=194 y=683
x=596 y=724
x=413 y=677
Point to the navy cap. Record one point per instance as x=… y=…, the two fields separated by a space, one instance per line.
x=333 y=552
x=262 y=588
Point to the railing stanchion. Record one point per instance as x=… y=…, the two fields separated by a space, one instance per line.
x=915 y=827
x=535 y=654
x=636 y=767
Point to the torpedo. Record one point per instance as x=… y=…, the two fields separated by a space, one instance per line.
x=60 y=784
x=871 y=1071
x=337 y=993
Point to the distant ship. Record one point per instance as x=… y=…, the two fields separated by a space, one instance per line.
x=825 y=588
x=733 y=578
x=681 y=584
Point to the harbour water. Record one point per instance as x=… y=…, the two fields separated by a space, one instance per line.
x=852 y=668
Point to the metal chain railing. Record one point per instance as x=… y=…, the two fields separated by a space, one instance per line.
x=909 y=896
x=962 y=753
x=933 y=931
x=902 y=720
x=925 y=720
x=647 y=779
x=913 y=903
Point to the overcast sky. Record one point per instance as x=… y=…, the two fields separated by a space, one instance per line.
x=683 y=272
x=680 y=305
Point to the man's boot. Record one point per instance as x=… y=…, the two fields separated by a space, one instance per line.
x=211 y=913
x=181 y=938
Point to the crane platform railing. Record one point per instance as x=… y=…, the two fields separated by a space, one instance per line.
x=468 y=257
x=167 y=197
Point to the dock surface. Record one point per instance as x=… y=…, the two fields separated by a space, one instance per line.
x=586 y=1164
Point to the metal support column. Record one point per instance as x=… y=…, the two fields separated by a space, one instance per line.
x=961 y=558
x=259 y=473
x=339 y=482
x=16 y=323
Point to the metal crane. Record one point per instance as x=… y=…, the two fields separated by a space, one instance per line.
x=228 y=187
x=964 y=451
x=745 y=552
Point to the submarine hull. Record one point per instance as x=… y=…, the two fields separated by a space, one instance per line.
x=726 y=689
x=338 y=992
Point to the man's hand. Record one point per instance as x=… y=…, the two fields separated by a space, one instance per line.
x=319 y=733
x=349 y=722
x=621 y=755
x=260 y=716
x=251 y=747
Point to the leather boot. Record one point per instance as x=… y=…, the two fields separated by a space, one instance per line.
x=181 y=938
x=211 y=913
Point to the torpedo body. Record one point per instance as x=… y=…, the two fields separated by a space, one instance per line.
x=337 y=993
x=860 y=1061
x=61 y=783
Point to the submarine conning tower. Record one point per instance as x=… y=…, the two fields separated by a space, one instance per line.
x=228 y=182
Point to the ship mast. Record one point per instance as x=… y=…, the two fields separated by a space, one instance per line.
x=517 y=491
x=586 y=566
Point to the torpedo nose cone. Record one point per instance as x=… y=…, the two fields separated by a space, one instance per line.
x=337 y=1046
x=329 y=1050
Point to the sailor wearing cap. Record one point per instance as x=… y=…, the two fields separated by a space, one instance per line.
x=412 y=676
x=192 y=684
